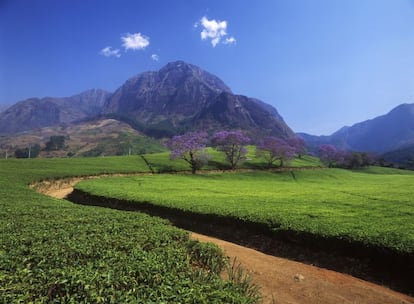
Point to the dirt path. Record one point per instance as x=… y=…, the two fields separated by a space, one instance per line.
x=289 y=282
x=282 y=281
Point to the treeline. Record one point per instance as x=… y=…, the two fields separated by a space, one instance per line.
x=191 y=147
x=274 y=151
x=336 y=158
x=56 y=142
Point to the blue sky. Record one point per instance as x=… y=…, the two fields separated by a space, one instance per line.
x=322 y=63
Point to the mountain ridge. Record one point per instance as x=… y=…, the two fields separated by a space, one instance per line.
x=177 y=98
x=4 y=107
x=36 y=113
x=380 y=134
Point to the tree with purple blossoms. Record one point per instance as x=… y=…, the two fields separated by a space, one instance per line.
x=233 y=144
x=356 y=160
x=330 y=155
x=274 y=149
x=191 y=148
x=298 y=144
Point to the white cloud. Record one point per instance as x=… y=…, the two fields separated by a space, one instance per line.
x=109 y=51
x=215 y=31
x=135 y=41
x=230 y=40
x=155 y=57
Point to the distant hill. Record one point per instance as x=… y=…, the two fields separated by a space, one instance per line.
x=381 y=134
x=36 y=113
x=92 y=138
x=402 y=157
x=182 y=97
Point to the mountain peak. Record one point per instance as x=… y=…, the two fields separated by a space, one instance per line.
x=405 y=108
x=174 y=97
x=189 y=72
x=178 y=64
x=176 y=89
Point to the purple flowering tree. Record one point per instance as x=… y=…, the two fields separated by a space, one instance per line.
x=233 y=144
x=298 y=144
x=274 y=149
x=330 y=155
x=191 y=148
x=356 y=160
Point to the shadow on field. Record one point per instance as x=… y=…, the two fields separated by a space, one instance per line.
x=376 y=264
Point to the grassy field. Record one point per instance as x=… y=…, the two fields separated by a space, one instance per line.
x=374 y=206
x=53 y=251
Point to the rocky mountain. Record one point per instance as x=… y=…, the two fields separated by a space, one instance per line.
x=240 y=112
x=182 y=97
x=384 y=133
x=3 y=107
x=173 y=90
x=178 y=98
x=36 y=113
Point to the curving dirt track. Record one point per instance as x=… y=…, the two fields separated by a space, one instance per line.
x=282 y=280
x=285 y=281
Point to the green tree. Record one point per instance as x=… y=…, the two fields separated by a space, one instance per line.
x=30 y=152
x=56 y=142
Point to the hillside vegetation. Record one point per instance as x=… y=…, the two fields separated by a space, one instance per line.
x=100 y=137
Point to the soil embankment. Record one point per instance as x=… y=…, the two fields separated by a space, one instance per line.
x=282 y=280
x=285 y=281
